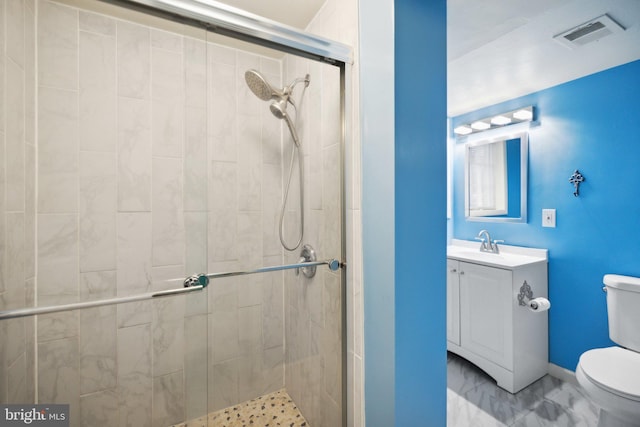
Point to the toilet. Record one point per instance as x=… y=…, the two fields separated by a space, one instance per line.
x=611 y=376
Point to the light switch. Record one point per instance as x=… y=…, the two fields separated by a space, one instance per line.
x=549 y=218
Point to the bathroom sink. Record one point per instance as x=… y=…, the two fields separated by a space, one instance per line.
x=509 y=256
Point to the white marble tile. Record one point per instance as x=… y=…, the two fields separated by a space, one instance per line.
x=134 y=266
x=134 y=155
x=272 y=311
x=195 y=366
x=195 y=63
x=58 y=372
x=15 y=336
x=250 y=329
x=167 y=130
x=57 y=258
x=57 y=326
x=250 y=379
x=221 y=54
x=249 y=240
x=195 y=160
x=30 y=74
x=99 y=409
x=271 y=205
x=58 y=160
x=14 y=270
x=168 y=238
x=57 y=45
x=249 y=164
x=98 y=98
x=98 y=193
x=134 y=60
x=15 y=31
x=168 y=399
x=14 y=143
x=167 y=74
x=273 y=369
x=98 y=242
x=96 y=23
x=331 y=201
x=550 y=413
x=167 y=185
x=17 y=380
x=222 y=113
x=223 y=385
x=223 y=228
x=135 y=383
x=97 y=351
x=166 y=40
x=3 y=366
x=97 y=348
x=168 y=335
x=224 y=335
x=461 y=413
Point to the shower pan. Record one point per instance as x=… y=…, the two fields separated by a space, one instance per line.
x=150 y=224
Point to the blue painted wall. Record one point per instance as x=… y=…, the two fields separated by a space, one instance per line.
x=590 y=124
x=420 y=214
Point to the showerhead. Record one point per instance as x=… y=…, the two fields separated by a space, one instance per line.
x=260 y=86
x=279 y=108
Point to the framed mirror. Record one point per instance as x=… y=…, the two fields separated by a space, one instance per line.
x=496 y=179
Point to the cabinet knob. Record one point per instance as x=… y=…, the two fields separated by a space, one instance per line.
x=461 y=272
x=453 y=270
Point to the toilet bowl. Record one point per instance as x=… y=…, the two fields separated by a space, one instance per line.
x=611 y=379
x=611 y=376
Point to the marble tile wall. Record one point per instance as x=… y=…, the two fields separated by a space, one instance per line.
x=313 y=322
x=17 y=198
x=312 y=311
x=155 y=161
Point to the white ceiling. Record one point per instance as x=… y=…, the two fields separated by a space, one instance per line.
x=501 y=49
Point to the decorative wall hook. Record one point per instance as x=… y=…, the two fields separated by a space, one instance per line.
x=576 y=179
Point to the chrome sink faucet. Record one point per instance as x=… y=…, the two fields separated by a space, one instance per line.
x=487 y=244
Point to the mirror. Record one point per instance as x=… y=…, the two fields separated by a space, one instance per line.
x=496 y=179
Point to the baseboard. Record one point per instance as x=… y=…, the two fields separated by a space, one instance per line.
x=562 y=374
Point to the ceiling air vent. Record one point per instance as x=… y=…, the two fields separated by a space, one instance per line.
x=588 y=32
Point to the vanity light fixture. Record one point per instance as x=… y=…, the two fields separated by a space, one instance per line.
x=480 y=125
x=463 y=130
x=500 y=120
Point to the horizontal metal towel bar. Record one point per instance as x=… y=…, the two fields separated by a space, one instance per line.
x=191 y=284
x=333 y=265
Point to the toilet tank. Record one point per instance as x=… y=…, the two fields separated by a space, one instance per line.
x=623 y=308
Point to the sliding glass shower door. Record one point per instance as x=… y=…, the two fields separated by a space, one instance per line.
x=135 y=156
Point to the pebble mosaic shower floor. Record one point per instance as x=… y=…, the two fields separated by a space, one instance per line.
x=276 y=409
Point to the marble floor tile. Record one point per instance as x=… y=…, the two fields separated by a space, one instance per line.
x=474 y=399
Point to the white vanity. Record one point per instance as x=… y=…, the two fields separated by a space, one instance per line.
x=485 y=322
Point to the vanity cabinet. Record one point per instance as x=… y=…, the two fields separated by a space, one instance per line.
x=485 y=323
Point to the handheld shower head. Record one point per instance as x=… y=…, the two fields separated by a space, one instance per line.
x=279 y=109
x=260 y=86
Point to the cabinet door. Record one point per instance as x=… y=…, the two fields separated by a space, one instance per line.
x=453 y=302
x=485 y=307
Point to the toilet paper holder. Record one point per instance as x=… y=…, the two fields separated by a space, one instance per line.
x=525 y=295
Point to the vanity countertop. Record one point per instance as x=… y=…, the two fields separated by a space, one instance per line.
x=509 y=256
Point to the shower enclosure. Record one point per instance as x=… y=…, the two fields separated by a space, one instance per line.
x=135 y=156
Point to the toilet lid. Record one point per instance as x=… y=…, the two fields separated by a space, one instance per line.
x=615 y=369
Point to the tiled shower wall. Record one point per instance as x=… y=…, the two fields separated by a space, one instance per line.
x=17 y=197
x=313 y=328
x=153 y=161
x=313 y=323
